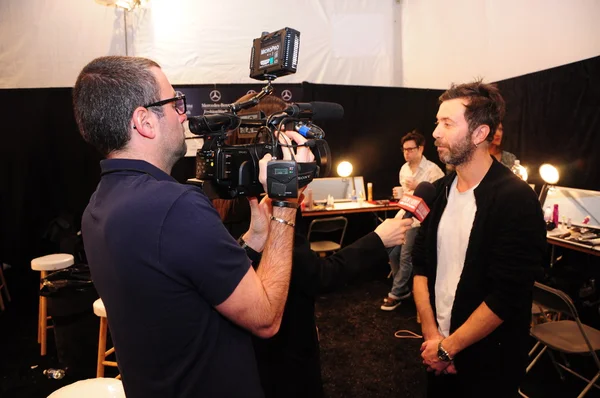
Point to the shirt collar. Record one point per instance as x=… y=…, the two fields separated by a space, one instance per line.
x=422 y=163
x=135 y=166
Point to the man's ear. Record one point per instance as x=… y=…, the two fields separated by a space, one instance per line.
x=143 y=122
x=480 y=134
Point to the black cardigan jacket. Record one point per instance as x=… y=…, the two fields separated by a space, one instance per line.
x=504 y=256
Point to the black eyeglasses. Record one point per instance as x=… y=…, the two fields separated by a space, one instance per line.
x=409 y=149
x=179 y=99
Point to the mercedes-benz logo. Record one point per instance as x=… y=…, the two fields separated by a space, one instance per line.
x=215 y=95
x=286 y=95
x=251 y=92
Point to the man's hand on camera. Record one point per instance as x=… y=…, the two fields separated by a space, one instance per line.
x=393 y=231
x=257 y=234
x=303 y=154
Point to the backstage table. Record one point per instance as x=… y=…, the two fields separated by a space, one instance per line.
x=553 y=239
x=342 y=208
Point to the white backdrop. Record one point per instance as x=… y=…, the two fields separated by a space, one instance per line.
x=406 y=43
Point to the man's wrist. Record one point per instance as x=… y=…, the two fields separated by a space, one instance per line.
x=442 y=353
x=284 y=203
x=287 y=213
x=253 y=241
x=450 y=346
x=252 y=254
x=430 y=333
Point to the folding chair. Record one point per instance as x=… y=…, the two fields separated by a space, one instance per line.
x=564 y=336
x=326 y=226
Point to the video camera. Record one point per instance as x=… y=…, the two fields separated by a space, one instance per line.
x=232 y=170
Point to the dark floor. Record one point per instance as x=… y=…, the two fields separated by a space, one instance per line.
x=360 y=355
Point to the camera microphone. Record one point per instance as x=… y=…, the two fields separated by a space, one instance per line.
x=213 y=123
x=417 y=204
x=316 y=110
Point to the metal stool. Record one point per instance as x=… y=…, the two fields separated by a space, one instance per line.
x=100 y=311
x=51 y=262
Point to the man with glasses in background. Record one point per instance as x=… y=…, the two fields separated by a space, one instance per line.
x=416 y=169
x=178 y=289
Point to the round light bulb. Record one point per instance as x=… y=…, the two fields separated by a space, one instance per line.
x=344 y=169
x=549 y=173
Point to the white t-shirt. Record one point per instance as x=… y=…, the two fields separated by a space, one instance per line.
x=453 y=235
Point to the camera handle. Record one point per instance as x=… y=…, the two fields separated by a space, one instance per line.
x=254 y=100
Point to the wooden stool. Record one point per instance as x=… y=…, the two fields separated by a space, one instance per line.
x=3 y=288
x=51 y=262
x=100 y=311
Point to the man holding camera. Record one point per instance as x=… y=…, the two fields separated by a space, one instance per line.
x=178 y=289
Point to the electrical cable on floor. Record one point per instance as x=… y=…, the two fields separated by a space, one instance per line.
x=408 y=333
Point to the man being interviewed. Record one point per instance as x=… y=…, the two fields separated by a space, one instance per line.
x=476 y=256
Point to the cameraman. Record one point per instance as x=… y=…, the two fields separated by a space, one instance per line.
x=178 y=289
x=289 y=363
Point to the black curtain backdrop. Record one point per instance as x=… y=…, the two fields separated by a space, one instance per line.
x=48 y=171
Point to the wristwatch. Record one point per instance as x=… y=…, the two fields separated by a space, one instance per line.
x=252 y=254
x=442 y=353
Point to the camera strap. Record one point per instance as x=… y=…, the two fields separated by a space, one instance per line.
x=306 y=173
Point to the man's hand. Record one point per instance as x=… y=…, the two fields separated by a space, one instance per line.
x=392 y=231
x=303 y=154
x=257 y=234
x=429 y=351
x=410 y=184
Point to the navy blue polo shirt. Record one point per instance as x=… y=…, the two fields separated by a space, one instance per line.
x=161 y=260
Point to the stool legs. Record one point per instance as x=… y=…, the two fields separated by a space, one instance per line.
x=102 y=347
x=43 y=319
x=102 y=353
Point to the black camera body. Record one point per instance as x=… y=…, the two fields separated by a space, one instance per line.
x=233 y=170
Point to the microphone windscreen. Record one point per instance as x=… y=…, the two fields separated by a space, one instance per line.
x=426 y=191
x=326 y=111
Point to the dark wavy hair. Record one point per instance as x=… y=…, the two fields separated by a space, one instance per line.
x=415 y=136
x=106 y=93
x=485 y=104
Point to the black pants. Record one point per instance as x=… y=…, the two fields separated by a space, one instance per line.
x=466 y=385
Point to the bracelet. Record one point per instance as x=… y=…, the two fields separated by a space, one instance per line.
x=281 y=220
x=284 y=203
x=252 y=254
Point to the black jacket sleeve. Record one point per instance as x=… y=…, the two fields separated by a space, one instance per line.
x=517 y=252
x=315 y=274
